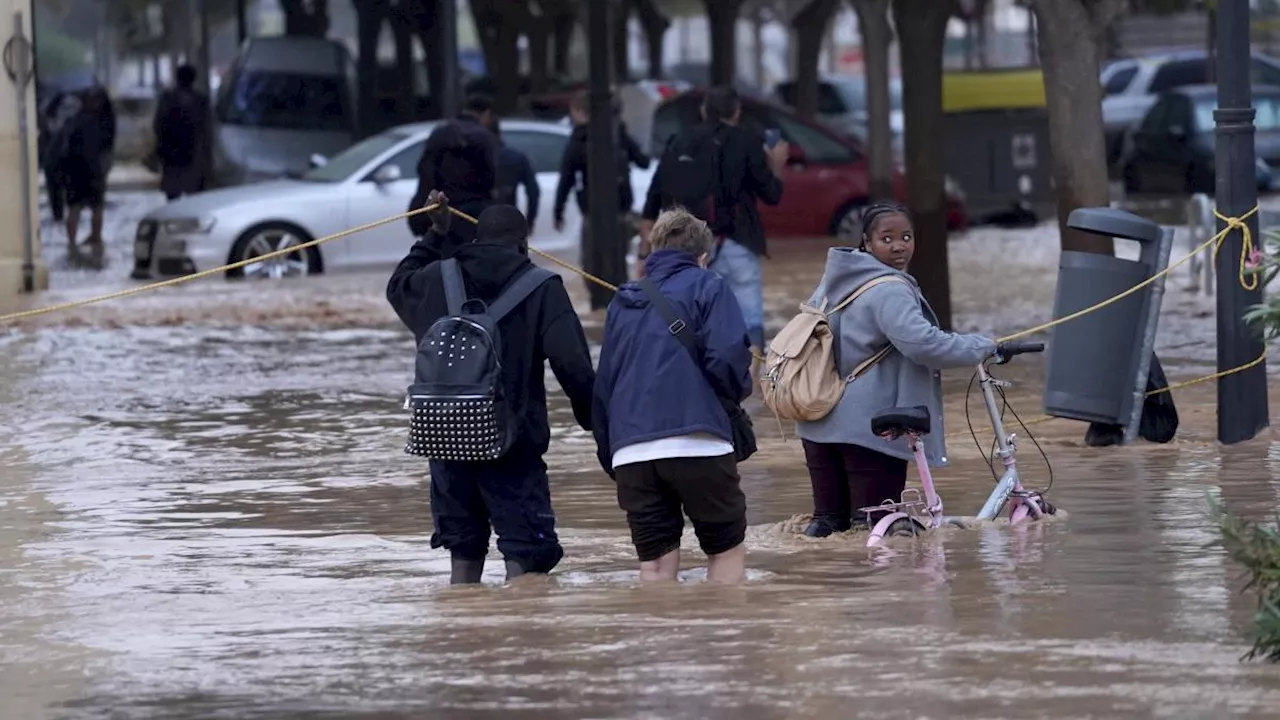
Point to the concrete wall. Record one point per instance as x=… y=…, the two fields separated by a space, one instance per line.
x=11 y=177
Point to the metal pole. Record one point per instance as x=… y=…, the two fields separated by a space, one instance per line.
x=242 y=20
x=448 y=94
x=603 y=253
x=1242 y=397
x=18 y=58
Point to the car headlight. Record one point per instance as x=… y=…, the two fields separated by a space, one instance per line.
x=187 y=226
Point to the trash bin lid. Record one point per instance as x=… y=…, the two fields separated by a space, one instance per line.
x=1115 y=223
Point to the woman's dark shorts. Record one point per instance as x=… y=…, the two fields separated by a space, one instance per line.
x=86 y=189
x=707 y=489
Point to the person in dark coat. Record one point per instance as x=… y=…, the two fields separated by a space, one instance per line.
x=183 y=137
x=85 y=162
x=749 y=174
x=573 y=176
x=459 y=160
x=573 y=167
x=512 y=492
x=514 y=172
x=54 y=123
x=671 y=456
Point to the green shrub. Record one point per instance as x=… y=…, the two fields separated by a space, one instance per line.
x=1256 y=546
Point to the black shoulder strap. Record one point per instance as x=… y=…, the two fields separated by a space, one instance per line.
x=455 y=292
x=680 y=329
x=519 y=289
x=677 y=327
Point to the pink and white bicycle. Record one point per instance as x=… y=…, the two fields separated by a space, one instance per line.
x=917 y=511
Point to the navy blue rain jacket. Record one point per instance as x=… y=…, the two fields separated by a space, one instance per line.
x=648 y=386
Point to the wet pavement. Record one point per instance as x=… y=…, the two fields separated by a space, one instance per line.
x=205 y=513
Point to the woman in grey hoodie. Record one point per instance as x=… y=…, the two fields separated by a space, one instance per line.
x=849 y=467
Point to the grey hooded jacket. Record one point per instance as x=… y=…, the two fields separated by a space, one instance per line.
x=909 y=375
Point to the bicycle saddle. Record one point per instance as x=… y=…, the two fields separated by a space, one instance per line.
x=901 y=420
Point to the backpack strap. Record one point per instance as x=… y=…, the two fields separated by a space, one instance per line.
x=455 y=292
x=883 y=352
x=516 y=292
x=873 y=282
x=867 y=364
x=684 y=334
x=677 y=327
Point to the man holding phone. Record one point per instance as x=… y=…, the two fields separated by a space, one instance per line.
x=737 y=170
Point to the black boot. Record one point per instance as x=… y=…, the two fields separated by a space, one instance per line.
x=824 y=525
x=466 y=572
x=514 y=570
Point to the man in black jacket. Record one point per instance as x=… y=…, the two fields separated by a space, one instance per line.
x=459 y=160
x=513 y=169
x=512 y=491
x=748 y=173
x=573 y=174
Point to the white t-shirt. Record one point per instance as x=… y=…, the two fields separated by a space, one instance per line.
x=681 y=446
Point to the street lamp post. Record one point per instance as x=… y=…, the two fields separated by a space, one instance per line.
x=604 y=254
x=1242 y=396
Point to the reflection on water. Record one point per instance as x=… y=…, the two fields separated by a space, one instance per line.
x=217 y=521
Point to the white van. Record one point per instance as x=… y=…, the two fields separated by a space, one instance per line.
x=283 y=100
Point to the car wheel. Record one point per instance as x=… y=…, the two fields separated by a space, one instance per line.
x=847 y=224
x=269 y=238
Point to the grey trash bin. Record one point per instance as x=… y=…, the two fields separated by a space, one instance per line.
x=1097 y=364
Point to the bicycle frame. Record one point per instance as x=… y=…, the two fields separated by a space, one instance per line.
x=1010 y=483
x=1007 y=492
x=904 y=510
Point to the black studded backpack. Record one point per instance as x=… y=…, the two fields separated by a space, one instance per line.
x=459 y=411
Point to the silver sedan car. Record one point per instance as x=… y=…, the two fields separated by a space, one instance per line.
x=371 y=180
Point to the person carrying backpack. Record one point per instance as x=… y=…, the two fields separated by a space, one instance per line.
x=183 y=138
x=718 y=170
x=485 y=321
x=888 y=352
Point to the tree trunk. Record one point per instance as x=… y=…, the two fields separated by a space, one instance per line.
x=921 y=26
x=406 y=95
x=538 y=30
x=308 y=18
x=370 y=14
x=1070 y=34
x=424 y=14
x=655 y=26
x=619 y=22
x=487 y=21
x=508 y=95
x=811 y=27
x=722 y=18
x=562 y=26
x=877 y=38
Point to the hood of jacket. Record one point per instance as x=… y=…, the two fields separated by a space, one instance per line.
x=489 y=268
x=846 y=270
x=660 y=265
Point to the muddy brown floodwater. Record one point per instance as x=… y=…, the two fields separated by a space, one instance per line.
x=205 y=513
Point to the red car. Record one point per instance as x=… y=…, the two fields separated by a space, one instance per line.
x=825 y=178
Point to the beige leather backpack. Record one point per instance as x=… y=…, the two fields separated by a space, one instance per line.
x=800 y=379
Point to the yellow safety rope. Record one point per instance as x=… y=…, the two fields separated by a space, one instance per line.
x=1216 y=241
x=1247 y=281
x=267 y=256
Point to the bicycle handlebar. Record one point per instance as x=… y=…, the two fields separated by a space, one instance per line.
x=1007 y=351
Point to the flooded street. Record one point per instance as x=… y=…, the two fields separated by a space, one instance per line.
x=205 y=513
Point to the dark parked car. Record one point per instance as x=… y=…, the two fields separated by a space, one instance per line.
x=825 y=179
x=1172 y=149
